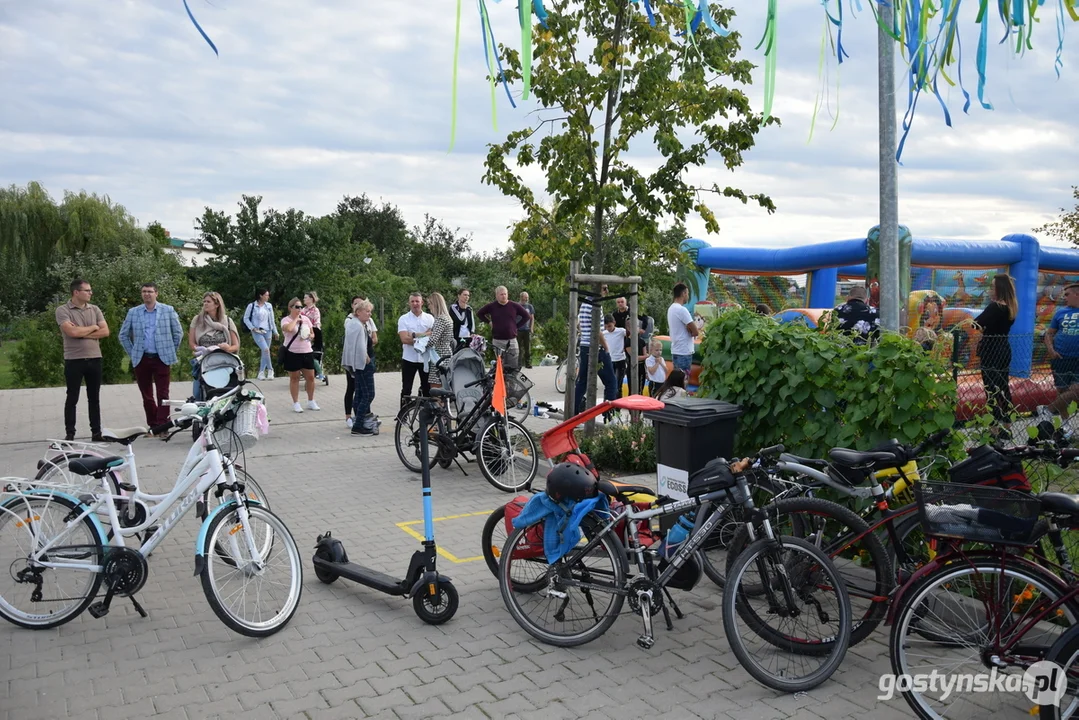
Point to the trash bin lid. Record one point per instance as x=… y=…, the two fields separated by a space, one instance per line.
x=692 y=412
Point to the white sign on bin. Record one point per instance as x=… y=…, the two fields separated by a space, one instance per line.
x=672 y=482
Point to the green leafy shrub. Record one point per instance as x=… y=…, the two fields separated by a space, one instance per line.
x=625 y=448
x=38 y=361
x=553 y=336
x=813 y=390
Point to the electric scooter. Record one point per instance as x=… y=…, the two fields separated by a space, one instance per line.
x=434 y=597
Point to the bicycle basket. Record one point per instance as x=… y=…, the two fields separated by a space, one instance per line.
x=977 y=513
x=517 y=385
x=244 y=430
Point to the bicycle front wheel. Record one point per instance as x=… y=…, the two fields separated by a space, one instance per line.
x=568 y=603
x=804 y=602
x=974 y=609
x=53 y=588
x=1065 y=653
x=560 y=377
x=507 y=455
x=252 y=592
x=519 y=408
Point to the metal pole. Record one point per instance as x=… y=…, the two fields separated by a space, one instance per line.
x=632 y=327
x=889 y=171
x=571 y=351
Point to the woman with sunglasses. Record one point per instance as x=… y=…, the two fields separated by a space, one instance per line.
x=299 y=355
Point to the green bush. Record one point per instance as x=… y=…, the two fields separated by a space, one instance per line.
x=553 y=337
x=38 y=361
x=814 y=390
x=625 y=448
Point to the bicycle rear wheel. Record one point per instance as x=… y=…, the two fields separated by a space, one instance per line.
x=406 y=438
x=1065 y=653
x=560 y=377
x=549 y=602
x=975 y=608
x=253 y=593
x=27 y=523
x=804 y=602
x=507 y=455
x=493 y=538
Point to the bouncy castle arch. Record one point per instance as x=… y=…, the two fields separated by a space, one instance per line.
x=824 y=263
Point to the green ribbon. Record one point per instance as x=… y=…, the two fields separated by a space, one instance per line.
x=525 y=7
x=453 y=91
x=769 y=42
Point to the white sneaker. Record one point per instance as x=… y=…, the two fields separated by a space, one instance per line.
x=262 y=375
x=269 y=374
x=348 y=423
x=296 y=407
x=312 y=405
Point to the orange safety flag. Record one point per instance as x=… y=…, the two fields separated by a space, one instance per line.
x=498 y=399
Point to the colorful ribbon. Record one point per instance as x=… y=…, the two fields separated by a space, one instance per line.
x=201 y=31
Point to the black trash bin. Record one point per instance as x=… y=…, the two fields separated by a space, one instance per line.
x=690 y=432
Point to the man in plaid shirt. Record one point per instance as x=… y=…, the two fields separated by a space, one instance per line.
x=151 y=336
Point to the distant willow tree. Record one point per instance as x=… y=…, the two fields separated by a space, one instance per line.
x=607 y=80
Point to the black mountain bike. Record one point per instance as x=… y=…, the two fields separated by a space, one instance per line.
x=503 y=449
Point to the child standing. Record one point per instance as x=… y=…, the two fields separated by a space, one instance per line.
x=655 y=367
x=616 y=344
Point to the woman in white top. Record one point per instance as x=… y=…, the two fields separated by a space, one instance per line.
x=299 y=356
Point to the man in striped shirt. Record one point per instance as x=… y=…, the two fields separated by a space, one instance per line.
x=586 y=315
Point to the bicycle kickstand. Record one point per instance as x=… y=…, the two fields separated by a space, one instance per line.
x=677 y=613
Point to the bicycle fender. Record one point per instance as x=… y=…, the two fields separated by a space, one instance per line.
x=101 y=534
x=200 y=541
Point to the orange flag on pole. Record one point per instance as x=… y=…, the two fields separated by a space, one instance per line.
x=498 y=399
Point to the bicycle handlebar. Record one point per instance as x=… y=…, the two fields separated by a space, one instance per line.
x=771 y=451
x=932 y=441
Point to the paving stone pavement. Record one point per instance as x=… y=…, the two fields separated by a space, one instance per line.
x=350 y=652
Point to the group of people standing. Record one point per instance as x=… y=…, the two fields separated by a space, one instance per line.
x=443 y=330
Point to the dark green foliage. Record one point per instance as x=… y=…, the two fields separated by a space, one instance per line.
x=813 y=390
x=623 y=448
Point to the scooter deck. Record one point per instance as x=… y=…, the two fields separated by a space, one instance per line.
x=364 y=576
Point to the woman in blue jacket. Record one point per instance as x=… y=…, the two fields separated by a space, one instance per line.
x=259 y=319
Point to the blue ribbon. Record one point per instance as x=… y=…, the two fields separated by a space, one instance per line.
x=541 y=13
x=488 y=32
x=203 y=32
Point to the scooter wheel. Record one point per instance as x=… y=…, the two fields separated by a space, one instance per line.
x=326 y=576
x=438 y=608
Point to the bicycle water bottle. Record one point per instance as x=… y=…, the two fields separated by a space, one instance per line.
x=677 y=535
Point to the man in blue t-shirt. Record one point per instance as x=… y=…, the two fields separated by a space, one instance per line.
x=1062 y=344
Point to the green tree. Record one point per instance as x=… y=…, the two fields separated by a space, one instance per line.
x=604 y=77
x=1066 y=228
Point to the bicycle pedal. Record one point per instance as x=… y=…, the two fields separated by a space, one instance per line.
x=99 y=610
x=645 y=642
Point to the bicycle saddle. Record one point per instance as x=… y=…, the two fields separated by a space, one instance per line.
x=1057 y=502
x=617 y=489
x=124 y=436
x=94 y=466
x=854 y=458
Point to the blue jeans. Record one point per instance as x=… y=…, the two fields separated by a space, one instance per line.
x=606 y=374
x=683 y=363
x=263 y=340
x=364 y=393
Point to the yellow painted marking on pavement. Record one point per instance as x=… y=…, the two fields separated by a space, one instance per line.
x=406 y=526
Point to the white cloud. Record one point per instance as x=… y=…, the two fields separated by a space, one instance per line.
x=309 y=102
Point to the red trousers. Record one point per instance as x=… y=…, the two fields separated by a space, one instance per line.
x=151 y=372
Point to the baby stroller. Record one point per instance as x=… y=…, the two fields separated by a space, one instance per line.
x=464 y=368
x=217 y=373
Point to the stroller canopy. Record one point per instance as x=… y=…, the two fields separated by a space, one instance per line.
x=219 y=371
x=466 y=366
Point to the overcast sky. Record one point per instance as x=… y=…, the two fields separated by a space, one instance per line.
x=310 y=101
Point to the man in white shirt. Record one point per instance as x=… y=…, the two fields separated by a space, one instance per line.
x=412 y=326
x=682 y=329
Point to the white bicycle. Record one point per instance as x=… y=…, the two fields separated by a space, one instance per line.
x=55 y=552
